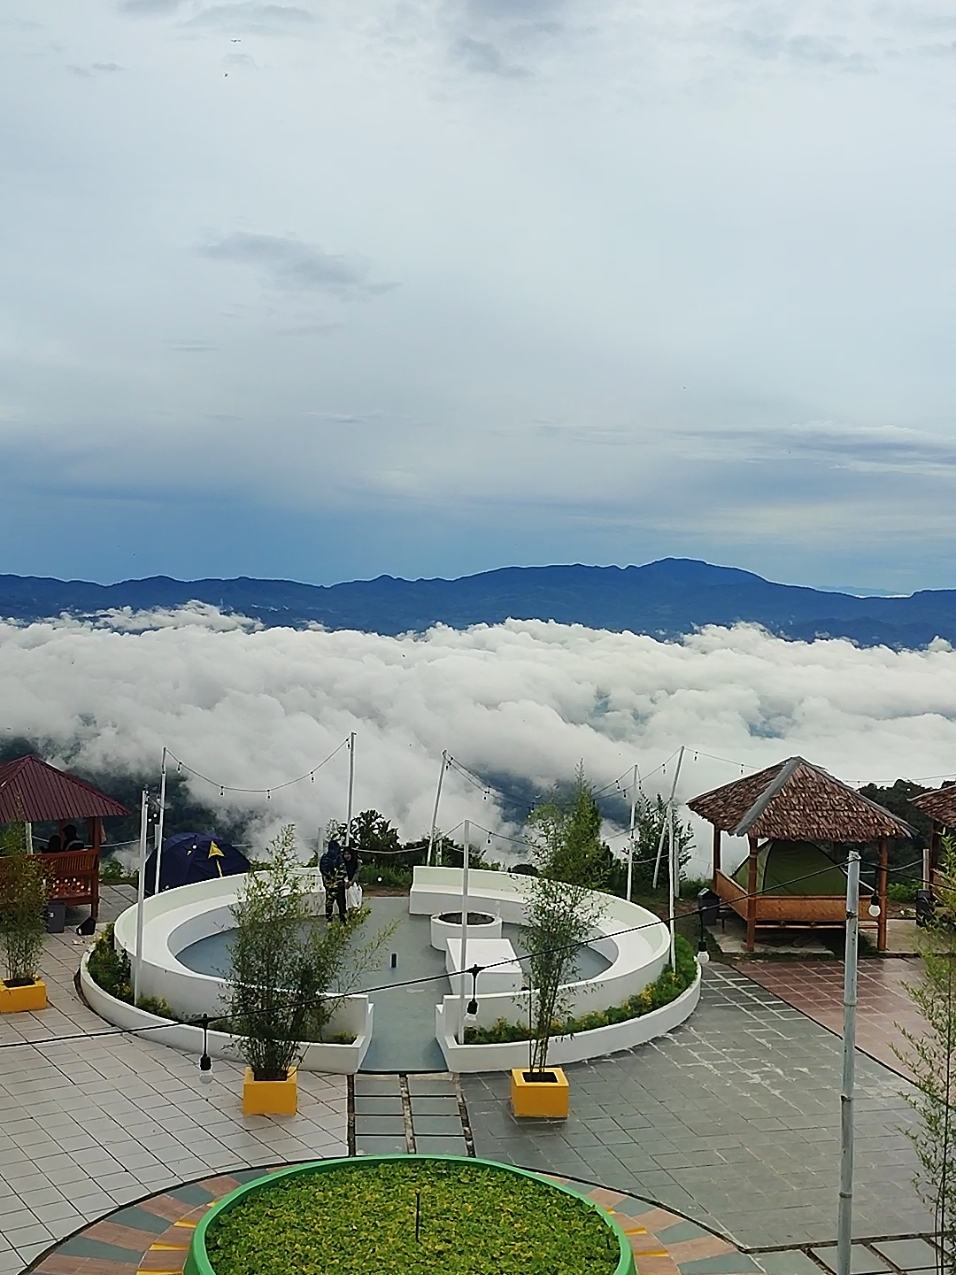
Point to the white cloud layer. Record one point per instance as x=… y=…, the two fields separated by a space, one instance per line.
x=251 y=708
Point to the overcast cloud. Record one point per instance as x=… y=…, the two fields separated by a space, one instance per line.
x=251 y=707
x=589 y=282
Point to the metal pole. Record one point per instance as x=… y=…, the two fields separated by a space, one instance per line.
x=159 y=822
x=660 y=844
x=630 y=840
x=348 y=820
x=671 y=882
x=845 y=1212
x=464 y=935
x=434 y=832
x=140 y=892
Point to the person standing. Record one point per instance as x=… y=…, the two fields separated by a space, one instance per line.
x=334 y=872
x=352 y=864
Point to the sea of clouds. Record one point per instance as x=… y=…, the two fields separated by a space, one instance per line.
x=252 y=707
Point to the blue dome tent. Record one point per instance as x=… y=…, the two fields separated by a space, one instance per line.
x=194 y=856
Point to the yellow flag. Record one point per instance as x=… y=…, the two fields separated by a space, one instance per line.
x=217 y=854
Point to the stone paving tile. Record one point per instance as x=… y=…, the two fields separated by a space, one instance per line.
x=816 y=989
x=106 y=1121
x=746 y=1070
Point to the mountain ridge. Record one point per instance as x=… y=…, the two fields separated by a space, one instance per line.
x=666 y=598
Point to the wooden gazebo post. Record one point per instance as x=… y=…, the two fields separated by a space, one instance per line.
x=752 y=895
x=881 y=879
x=717 y=835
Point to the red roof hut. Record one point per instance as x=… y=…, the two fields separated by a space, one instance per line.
x=798 y=803
x=33 y=791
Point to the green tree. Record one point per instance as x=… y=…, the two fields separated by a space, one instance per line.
x=565 y=836
x=372 y=833
x=931 y=1056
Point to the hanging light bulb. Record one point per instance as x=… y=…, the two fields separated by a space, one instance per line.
x=471 y=1009
x=703 y=956
x=874 y=909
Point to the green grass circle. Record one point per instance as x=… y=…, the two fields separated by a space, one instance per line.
x=356 y=1217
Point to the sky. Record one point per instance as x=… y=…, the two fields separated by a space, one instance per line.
x=324 y=290
x=528 y=700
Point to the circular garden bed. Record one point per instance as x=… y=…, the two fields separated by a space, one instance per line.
x=407 y=1215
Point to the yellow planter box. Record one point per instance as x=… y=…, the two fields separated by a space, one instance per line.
x=13 y=1000
x=270 y=1097
x=547 y=1099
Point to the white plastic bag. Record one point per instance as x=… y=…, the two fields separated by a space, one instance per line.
x=353 y=896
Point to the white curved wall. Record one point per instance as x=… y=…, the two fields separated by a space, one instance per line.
x=316 y=1056
x=563 y=1049
x=174 y=920
x=634 y=940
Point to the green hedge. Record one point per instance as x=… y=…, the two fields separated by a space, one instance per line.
x=667 y=988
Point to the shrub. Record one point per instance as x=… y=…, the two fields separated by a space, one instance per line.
x=902 y=891
x=656 y=995
x=110 y=969
x=23 y=898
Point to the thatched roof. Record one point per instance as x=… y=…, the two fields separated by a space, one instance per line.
x=799 y=802
x=939 y=805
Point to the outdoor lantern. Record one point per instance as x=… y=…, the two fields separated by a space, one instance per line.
x=205 y=1062
x=471 y=1009
x=874 y=909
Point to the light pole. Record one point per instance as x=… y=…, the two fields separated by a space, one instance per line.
x=845 y=1211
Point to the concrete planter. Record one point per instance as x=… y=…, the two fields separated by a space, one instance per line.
x=543 y=1095
x=198 y=1262
x=270 y=1097
x=316 y=1056
x=16 y=1000
x=442 y=929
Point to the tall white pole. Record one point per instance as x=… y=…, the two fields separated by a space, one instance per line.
x=672 y=884
x=630 y=839
x=159 y=822
x=348 y=819
x=140 y=891
x=660 y=843
x=434 y=829
x=464 y=934
x=845 y=1211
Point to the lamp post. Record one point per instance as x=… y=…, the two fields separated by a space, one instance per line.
x=140 y=891
x=845 y=1210
x=464 y=935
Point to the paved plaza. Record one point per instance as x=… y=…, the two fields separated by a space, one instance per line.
x=733 y=1120
x=730 y=1125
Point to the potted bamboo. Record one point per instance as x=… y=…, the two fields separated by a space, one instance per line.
x=289 y=973
x=562 y=910
x=23 y=900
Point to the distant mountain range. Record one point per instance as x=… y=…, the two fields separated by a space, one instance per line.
x=665 y=599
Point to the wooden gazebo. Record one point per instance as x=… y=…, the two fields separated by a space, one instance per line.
x=32 y=791
x=795 y=801
x=940 y=807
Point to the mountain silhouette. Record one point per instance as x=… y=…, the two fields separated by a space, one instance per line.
x=666 y=599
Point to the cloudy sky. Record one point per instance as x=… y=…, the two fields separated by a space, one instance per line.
x=326 y=289
x=528 y=700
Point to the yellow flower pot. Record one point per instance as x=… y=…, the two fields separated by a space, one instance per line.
x=546 y=1099
x=270 y=1097
x=13 y=1000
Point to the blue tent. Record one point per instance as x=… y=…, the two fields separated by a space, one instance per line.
x=194 y=856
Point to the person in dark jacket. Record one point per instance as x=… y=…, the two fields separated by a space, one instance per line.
x=334 y=871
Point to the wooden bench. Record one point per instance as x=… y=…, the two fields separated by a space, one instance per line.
x=73 y=877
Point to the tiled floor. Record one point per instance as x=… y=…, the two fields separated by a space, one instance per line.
x=816 y=989
x=733 y=1120
x=99 y=1120
x=403 y=1113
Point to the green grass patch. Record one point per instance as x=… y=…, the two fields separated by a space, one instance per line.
x=656 y=995
x=360 y=1218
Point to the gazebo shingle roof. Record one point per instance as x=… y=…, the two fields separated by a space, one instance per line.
x=32 y=789
x=939 y=805
x=797 y=801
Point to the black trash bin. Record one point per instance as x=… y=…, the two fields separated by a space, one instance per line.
x=55 y=918
x=924 y=907
x=708 y=905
